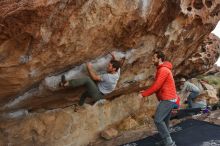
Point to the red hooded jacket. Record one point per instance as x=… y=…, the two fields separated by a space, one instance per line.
x=164 y=84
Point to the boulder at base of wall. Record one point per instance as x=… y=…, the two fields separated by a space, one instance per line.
x=109 y=133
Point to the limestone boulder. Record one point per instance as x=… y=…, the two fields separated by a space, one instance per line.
x=42 y=39
x=210 y=93
x=128 y=123
x=109 y=133
x=67 y=127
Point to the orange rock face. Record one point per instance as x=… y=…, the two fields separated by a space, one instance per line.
x=203 y=60
x=43 y=38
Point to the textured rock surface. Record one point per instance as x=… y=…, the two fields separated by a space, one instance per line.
x=202 y=60
x=210 y=94
x=109 y=133
x=64 y=126
x=213 y=71
x=128 y=123
x=43 y=38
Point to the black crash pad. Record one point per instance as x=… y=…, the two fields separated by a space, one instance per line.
x=187 y=133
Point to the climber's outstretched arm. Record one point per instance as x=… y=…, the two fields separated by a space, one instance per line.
x=92 y=74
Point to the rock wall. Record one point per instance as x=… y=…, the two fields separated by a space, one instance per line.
x=41 y=39
x=203 y=60
x=44 y=38
x=64 y=127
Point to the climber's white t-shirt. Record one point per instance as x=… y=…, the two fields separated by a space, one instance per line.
x=108 y=82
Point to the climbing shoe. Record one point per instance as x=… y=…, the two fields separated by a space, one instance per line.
x=63 y=81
